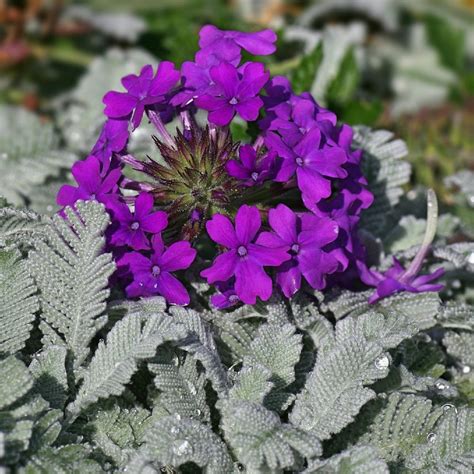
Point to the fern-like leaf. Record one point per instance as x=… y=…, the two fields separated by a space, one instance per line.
x=18 y=302
x=72 y=273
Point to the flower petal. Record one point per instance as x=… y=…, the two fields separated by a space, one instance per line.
x=154 y=222
x=252 y=281
x=289 y=278
x=221 y=231
x=247 y=224
x=223 y=267
x=172 y=289
x=283 y=221
x=119 y=104
x=177 y=256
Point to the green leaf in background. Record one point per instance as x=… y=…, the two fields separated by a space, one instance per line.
x=302 y=77
x=344 y=85
x=448 y=40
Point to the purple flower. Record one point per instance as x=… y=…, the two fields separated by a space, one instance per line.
x=245 y=257
x=132 y=227
x=234 y=91
x=196 y=80
x=397 y=279
x=142 y=91
x=226 y=298
x=305 y=236
x=91 y=184
x=152 y=275
x=112 y=139
x=312 y=165
x=226 y=45
x=251 y=169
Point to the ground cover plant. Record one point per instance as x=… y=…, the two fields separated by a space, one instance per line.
x=233 y=281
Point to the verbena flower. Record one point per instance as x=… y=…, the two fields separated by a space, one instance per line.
x=234 y=91
x=133 y=227
x=226 y=45
x=245 y=257
x=112 y=139
x=152 y=275
x=91 y=184
x=296 y=192
x=305 y=236
x=252 y=169
x=142 y=90
x=397 y=278
x=312 y=165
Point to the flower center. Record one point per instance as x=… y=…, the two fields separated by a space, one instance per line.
x=233 y=299
x=135 y=225
x=299 y=161
x=254 y=176
x=93 y=196
x=242 y=251
x=295 y=248
x=233 y=101
x=155 y=270
x=302 y=130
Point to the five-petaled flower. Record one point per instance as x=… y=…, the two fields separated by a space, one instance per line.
x=234 y=91
x=313 y=166
x=252 y=169
x=305 y=235
x=397 y=279
x=153 y=275
x=132 y=227
x=245 y=257
x=142 y=91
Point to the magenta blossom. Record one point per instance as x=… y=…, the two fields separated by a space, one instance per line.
x=397 y=279
x=133 y=227
x=305 y=235
x=251 y=169
x=235 y=91
x=142 y=91
x=153 y=275
x=245 y=257
x=112 y=139
x=226 y=297
x=92 y=185
x=313 y=166
x=226 y=45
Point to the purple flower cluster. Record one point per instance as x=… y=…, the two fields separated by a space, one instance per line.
x=278 y=213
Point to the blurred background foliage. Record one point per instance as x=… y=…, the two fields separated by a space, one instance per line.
x=405 y=65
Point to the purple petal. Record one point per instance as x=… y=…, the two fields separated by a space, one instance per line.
x=289 y=278
x=315 y=265
x=87 y=174
x=223 y=267
x=222 y=117
x=259 y=43
x=138 y=240
x=283 y=221
x=237 y=170
x=143 y=205
x=225 y=75
x=66 y=195
x=118 y=104
x=265 y=256
x=327 y=162
x=154 y=222
x=250 y=108
x=313 y=186
x=247 y=224
x=309 y=143
x=166 y=77
x=178 y=256
x=221 y=231
x=172 y=289
x=252 y=281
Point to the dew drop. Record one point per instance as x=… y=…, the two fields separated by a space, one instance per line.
x=174 y=430
x=431 y=437
x=465 y=369
x=198 y=412
x=441 y=385
x=449 y=406
x=182 y=448
x=382 y=362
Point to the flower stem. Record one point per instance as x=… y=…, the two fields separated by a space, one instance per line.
x=430 y=232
